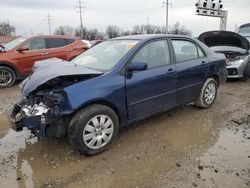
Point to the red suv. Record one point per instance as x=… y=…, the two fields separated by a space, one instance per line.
x=18 y=56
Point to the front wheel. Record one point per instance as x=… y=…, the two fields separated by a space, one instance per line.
x=208 y=94
x=7 y=77
x=93 y=129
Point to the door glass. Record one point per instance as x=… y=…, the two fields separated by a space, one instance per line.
x=200 y=52
x=155 y=54
x=36 y=44
x=184 y=50
x=69 y=41
x=55 y=43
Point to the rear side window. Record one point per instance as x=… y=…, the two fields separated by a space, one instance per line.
x=36 y=44
x=155 y=54
x=55 y=43
x=185 y=50
x=200 y=52
x=69 y=41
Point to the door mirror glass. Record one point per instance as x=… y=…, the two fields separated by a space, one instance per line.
x=23 y=48
x=137 y=66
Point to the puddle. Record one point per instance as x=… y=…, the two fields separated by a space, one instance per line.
x=225 y=164
x=162 y=151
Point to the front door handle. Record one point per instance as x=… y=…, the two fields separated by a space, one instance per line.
x=203 y=62
x=46 y=53
x=69 y=50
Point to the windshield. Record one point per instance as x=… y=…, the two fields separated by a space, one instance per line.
x=105 y=55
x=244 y=30
x=12 y=44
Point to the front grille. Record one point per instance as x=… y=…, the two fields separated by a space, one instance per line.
x=232 y=71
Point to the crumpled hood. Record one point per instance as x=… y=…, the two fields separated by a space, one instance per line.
x=224 y=38
x=46 y=70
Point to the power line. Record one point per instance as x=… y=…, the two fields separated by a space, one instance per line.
x=167 y=4
x=49 y=21
x=81 y=7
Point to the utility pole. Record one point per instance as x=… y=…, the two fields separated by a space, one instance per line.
x=81 y=7
x=147 y=20
x=167 y=4
x=49 y=21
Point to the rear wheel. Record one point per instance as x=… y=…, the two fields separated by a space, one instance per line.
x=7 y=77
x=208 y=94
x=93 y=129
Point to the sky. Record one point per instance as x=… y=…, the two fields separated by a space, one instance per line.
x=29 y=16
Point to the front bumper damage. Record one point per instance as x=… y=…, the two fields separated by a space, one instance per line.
x=44 y=117
x=33 y=118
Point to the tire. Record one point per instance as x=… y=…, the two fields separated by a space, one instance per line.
x=7 y=77
x=204 y=101
x=87 y=128
x=246 y=73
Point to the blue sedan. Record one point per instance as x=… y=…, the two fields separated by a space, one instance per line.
x=114 y=84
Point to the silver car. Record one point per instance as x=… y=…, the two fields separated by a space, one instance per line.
x=236 y=49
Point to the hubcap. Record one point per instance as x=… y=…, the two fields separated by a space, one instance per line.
x=98 y=131
x=210 y=92
x=5 y=77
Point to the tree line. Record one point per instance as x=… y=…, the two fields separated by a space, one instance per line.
x=112 y=31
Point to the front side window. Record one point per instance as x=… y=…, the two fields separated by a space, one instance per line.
x=105 y=55
x=36 y=44
x=184 y=50
x=155 y=54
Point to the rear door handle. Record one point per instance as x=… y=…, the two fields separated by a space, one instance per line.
x=45 y=53
x=171 y=70
x=69 y=50
x=203 y=62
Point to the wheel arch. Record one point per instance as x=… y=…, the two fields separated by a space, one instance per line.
x=102 y=102
x=215 y=77
x=11 y=66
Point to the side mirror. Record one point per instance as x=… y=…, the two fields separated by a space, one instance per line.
x=137 y=66
x=23 y=48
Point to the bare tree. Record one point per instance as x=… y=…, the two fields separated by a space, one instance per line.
x=81 y=32
x=113 y=31
x=178 y=29
x=7 y=29
x=65 y=30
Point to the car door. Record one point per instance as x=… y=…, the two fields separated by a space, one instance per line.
x=153 y=89
x=191 y=68
x=37 y=51
x=60 y=48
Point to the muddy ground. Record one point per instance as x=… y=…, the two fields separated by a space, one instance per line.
x=185 y=147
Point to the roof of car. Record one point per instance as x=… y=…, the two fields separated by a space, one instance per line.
x=147 y=36
x=51 y=36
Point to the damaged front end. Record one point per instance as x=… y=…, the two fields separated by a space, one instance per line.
x=45 y=109
x=42 y=114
